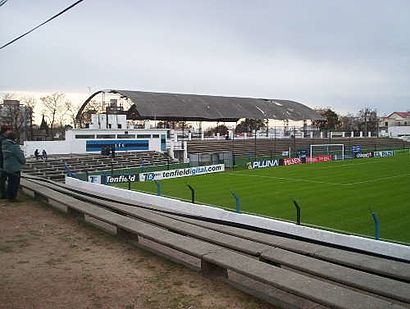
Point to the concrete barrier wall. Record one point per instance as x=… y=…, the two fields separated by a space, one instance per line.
x=357 y=242
x=54 y=147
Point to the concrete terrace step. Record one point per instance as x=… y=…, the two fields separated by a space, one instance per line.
x=215 y=257
x=90 y=163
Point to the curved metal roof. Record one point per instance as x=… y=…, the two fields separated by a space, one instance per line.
x=171 y=106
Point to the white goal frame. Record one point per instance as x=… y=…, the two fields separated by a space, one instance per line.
x=327 y=145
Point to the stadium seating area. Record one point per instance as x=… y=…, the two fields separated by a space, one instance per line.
x=54 y=167
x=268 y=147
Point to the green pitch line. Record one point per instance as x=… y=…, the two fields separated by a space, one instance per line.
x=335 y=195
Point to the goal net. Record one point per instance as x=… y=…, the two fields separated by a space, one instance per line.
x=337 y=151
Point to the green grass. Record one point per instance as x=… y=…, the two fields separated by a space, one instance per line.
x=334 y=195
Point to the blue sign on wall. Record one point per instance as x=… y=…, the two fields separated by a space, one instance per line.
x=118 y=144
x=356 y=149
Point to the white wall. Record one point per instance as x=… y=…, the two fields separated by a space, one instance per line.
x=53 y=147
x=73 y=145
x=362 y=243
x=399 y=131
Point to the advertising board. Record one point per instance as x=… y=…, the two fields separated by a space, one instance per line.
x=120 y=178
x=182 y=172
x=356 y=149
x=292 y=161
x=364 y=155
x=383 y=154
x=262 y=164
x=108 y=179
x=119 y=145
x=94 y=178
x=316 y=159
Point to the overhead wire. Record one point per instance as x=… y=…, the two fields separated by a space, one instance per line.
x=38 y=26
x=2 y=2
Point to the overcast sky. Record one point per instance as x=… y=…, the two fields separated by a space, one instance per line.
x=343 y=54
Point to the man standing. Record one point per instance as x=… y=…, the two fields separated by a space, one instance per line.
x=13 y=161
x=3 y=131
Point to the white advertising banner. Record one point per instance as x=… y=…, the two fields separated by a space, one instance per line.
x=182 y=172
x=383 y=154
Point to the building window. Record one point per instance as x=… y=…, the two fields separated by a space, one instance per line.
x=125 y=135
x=155 y=135
x=119 y=126
x=105 y=135
x=84 y=136
x=143 y=135
x=386 y=124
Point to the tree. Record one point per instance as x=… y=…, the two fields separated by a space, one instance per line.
x=368 y=120
x=348 y=123
x=55 y=109
x=221 y=129
x=31 y=103
x=93 y=107
x=250 y=125
x=330 y=121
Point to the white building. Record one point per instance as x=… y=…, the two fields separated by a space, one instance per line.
x=397 y=124
x=97 y=137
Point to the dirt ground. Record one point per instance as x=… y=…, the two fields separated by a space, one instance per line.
x=49 y=261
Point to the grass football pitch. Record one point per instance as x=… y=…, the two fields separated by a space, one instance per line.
x=334 y=195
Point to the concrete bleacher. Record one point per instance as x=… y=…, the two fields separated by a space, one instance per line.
x=53 y=167
x=272 y=147
x=292 y=273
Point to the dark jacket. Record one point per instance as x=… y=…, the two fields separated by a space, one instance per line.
x=2 y=138
x=13 y=156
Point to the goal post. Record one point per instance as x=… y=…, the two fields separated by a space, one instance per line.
x=336 y=150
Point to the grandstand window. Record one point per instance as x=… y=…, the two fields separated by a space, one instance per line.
x=84 y=136
x=125 y=135
x=155 y=135
x=143 y=135
x=105 y=135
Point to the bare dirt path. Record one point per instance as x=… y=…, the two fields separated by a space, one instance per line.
x=50 y=261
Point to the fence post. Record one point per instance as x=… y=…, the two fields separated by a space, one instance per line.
x=192 y=194
x=237 y=202
x=376 y=225
x=297 y=212
x=142 y=166
x=158 y=184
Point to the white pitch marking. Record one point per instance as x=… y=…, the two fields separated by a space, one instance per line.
x=319 y=182
x=287 y=179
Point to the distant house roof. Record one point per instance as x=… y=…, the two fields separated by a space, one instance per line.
x=174 y=106
x=401 y=114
